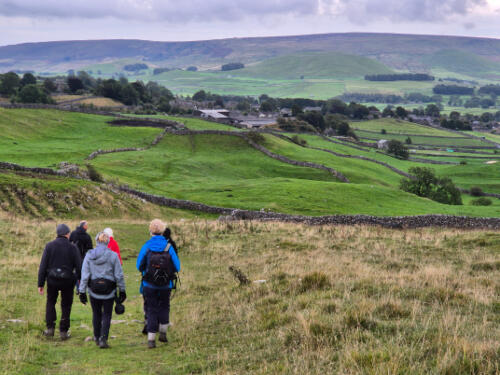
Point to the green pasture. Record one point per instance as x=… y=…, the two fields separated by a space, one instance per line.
x=209 y=169
x=395 y=126
x=489 y=136
x=425 y=140
x=226 y=171
x=475 y=173
x=46 y=137
x=313 y=65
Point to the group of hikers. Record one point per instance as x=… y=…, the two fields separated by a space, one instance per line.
x=72 y=260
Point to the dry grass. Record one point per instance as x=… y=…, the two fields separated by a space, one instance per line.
x=65 y=98
x=349 y=300
x=102 y=102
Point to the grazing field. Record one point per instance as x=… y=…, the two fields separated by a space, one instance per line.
x=44 y=138
x=226 y=171
x=350 y=300
x=187 y=83
x=393 y=126
x=426 y=140
x=489 y=136
x=313 y=65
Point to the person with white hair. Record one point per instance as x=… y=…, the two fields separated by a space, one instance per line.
x=113 y=245
x=102 y=274
x=158 y=263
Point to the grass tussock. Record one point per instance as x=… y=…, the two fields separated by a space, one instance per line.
x=338 y=305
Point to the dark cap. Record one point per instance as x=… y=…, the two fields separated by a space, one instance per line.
x=62 y=230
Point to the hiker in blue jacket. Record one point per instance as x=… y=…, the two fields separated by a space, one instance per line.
x=156 y=286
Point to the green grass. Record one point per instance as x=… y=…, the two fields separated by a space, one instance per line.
x=225 y=171
x=187 y=83
x=474 y=173
x=400 y=127
x=313 y=65
x=489 y=136
x=46 y=137
x=191 y=123
x=335 y=300
x=452 y=142
x=462 y=62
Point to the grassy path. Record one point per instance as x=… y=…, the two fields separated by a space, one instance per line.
x=335 y=300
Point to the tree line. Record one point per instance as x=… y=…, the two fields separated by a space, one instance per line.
x=399 y=77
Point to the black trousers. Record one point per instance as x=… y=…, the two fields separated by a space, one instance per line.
x=53 y=290
x=102 y=310
x=157 y=307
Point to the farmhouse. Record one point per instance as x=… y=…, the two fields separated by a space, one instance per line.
x=221 y=115
x=383 y=144
x=285 y=112
x=258 y=122
x=312 y=109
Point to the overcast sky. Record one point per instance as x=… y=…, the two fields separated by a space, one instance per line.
x=170 y=20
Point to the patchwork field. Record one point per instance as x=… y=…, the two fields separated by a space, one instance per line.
x=226 y=171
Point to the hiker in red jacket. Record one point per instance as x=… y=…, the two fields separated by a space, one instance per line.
x=113 y=245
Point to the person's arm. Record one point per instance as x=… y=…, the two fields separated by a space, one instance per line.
x=77 y=262
x=114 y=246
x=118 y=252
x=88 y=245
x=85 y=275
x=42 y=270
x=175 y=258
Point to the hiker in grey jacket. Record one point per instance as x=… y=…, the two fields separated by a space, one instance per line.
x=102 y=273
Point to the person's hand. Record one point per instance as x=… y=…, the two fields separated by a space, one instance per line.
x=83 y=298
x=122 y=297
x=40 y=290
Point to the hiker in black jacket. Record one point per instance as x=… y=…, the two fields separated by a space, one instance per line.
x=81 y=238
x=60 y=266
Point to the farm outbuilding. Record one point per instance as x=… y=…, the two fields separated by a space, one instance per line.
x=383 y=144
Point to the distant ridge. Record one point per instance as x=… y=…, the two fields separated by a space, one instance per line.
x=398 y=51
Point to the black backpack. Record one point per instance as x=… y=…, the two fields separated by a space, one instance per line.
x=160 y=269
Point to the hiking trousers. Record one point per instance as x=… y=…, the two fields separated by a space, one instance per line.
x=102 y=310
x=53 y=290
x=157 y=307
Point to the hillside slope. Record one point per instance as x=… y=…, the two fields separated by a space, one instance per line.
x=395 y=50
x=314 y=65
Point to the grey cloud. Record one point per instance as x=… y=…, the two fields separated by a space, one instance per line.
x=156 y=10
x=366 y=11
x=469 y=25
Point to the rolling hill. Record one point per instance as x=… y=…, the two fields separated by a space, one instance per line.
x=313 y=65
x=207 y=168
x=407 y=52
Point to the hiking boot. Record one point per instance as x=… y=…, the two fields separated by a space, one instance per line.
x=103 y=343
x=64 y=335
x=151 y=344
x=163 y=337
x=49 y=332
x=96 y=339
